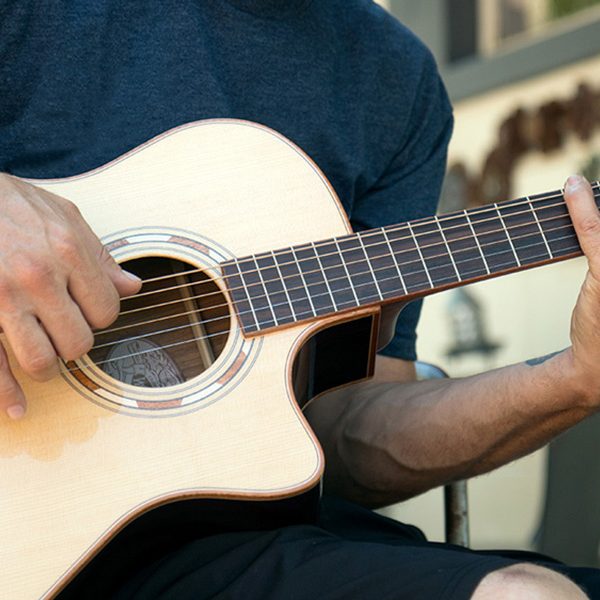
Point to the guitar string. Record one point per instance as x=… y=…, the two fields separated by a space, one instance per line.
x=360 y=261
x=419 y=262
x=222 y=333
x=343 y=277
x=228 y=316
x=395 y=228
x=340 y=254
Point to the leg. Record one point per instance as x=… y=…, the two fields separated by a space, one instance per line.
x=527 y=581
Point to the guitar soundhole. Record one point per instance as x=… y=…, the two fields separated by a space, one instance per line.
x=173 y=330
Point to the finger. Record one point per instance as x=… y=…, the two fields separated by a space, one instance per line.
x=126 y=284
x=94 y=294
x=66 y=327
x=584 y=213
x=12 y=399
x=31 y=346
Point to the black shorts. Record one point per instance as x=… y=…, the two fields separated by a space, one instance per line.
x=351 y=553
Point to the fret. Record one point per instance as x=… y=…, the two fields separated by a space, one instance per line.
x=294 y=284
x=524 y=231
x=493 y=240
x=350 y=284
x=412 y=233
x=359 y=237
x=539 y=225
x=394 y=261
x=361 y=277
x=463 y=246
x=487 y=268
x=408 y=259
x=239 y=296
x=553 y=216
x=275 y=290
x=325 y=278
x=507 y=234
x=383 y=264
x=267 y=295
x=257 y=293
x=319 y=278
x=437 y=221
x=336 y=275
x=281 y=280
x=314 y=278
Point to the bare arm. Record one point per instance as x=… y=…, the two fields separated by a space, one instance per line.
x=391 y=438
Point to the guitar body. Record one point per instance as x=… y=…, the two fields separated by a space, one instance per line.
x=97 y=449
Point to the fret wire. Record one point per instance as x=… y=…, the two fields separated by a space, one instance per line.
x=497 y=253
x=549 y=196
x=546 y=197
x=264 y=286
x=308 y=294
x=221 y=318
x=347 y=272
x=289 y=300
x=324 y=277
x=485 y=263
x=595 y=185
x=569 y=225
x=244 y=288
x=370 y=266
x=447 y=247
x=412 y=233
x=550 y=255
x=393 y=255
x=507 y=236
x=539 y=258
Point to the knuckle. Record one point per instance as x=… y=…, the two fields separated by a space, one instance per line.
x=71 y=210
x=108 y=309
x=108 y=316
x=39 y=365
x=30 y=274
x=79 y=347
x=8 y=391
x=66 y=245
x=590 y=226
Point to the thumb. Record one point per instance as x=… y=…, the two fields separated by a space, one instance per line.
x=584 y=213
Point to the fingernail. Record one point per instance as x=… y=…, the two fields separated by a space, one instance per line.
x=16 y=411
x=130 y=276
x=573 y=182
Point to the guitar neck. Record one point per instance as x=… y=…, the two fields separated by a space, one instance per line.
x=399 y=262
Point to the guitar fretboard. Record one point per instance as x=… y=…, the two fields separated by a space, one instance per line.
x=398 y=262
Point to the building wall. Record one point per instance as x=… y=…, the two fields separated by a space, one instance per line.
x=527 y=313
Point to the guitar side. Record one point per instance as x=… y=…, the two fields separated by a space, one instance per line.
x=94 y=452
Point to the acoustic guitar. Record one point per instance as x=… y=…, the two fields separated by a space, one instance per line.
x=256 y=296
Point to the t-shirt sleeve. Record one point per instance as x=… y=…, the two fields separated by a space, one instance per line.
x=409 y=188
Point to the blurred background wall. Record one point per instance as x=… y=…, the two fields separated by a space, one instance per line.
x=524 y=78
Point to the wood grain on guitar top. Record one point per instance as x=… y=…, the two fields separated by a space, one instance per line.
x=81 y=464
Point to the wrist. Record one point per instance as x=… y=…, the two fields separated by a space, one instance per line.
x=575 y=377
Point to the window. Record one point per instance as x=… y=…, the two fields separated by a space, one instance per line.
x=485 y=27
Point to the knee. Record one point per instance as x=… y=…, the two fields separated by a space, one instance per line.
x=527 y=581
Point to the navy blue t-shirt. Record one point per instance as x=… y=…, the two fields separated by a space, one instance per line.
x=82 y=82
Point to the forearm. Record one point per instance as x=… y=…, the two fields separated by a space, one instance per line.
x=388 y=441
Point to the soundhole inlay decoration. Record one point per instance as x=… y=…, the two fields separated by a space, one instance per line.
x=175 y=346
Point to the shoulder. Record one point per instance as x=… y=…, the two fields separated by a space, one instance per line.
x=368 y=32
